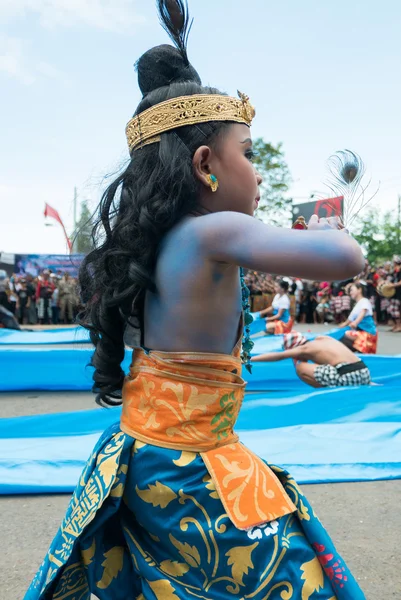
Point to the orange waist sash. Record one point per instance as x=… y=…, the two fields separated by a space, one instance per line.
x=190 y=402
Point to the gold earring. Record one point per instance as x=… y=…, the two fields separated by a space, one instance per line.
x=213 y=182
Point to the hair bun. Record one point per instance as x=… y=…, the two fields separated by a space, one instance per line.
x=161 y=66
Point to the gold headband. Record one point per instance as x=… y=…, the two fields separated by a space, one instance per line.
x=147 y=127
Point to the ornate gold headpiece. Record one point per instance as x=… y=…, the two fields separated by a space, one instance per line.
x=147 y=127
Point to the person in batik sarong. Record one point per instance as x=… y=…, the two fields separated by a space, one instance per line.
x=171 y=505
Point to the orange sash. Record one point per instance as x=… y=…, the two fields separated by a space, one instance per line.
x=190 y=402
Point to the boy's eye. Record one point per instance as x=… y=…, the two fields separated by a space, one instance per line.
x=251 y=155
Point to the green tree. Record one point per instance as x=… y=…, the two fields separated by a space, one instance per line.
x=379 y=235
x=275 y=206
x=83 y=236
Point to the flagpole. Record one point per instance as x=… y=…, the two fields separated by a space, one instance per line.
x=75 y=218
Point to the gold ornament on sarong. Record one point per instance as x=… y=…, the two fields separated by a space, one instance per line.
x=147 y=127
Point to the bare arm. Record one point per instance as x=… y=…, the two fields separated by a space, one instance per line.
x=266 y=311
x=296 y=353
x=361 y=317
x=321 y=254
x=276 y=317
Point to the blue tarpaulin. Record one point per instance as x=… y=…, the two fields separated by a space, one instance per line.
x=61 y=335
x=341 y=434
x=66 y=368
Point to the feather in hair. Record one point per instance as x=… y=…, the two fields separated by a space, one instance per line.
x=174 y=18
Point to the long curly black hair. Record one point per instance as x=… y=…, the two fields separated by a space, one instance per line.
x=156 y=190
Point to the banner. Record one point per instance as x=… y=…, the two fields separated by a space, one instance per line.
x=34 y=264
x=328 y=207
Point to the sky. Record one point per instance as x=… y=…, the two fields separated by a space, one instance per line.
x=323 y=76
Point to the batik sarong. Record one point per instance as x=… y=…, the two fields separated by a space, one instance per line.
x=363 y=342
x=280 y=327
x=171 y=506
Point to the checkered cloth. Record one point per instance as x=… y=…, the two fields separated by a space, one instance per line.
x=293 y=340
x=394 y=308
x=345 y=303
x=384 y=304
x=337 y=305
x=329 y=376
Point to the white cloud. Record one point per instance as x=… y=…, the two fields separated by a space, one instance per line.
x=110 y=15
x=17 y=62
x=12 y=60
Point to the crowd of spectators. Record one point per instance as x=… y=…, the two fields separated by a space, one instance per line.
x=53 y=299
x=49 y=299
x=324 y=302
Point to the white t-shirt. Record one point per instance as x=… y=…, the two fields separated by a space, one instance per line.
x=363 y=304
x=281 y=302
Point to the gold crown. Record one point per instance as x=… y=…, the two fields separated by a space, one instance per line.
x=147 y=127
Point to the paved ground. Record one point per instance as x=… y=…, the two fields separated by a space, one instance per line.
x=363 y=518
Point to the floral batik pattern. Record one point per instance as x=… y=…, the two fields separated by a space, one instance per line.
x=171 y=506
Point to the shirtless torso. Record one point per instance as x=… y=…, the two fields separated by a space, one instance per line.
x=323 y=350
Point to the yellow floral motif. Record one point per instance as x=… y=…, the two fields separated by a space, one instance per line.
x=138 y=446
x=163 y=590
x=189 y=553
x=312 y=574
x=118 y=487
x=157 y=494
x=148 y=405
x=303 y=511
x=240 y=558
x=188 y=403
x=210 y=486
x=89 y=553
x=113 y=565
x=185 y=459
x=174 y=568
x=109 y=459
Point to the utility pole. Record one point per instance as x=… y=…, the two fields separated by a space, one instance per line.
x=75 y=216
x=399 y=224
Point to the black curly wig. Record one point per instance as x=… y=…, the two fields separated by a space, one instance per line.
x=156 y=190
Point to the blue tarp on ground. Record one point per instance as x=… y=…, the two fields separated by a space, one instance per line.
x=76 y=335
x=66 y=368
x=343 y=434
x=61 y=335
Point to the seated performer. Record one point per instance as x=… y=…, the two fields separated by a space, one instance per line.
x=170 y=505
x=362 y=335
x=322 y=362
x=279 y=320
